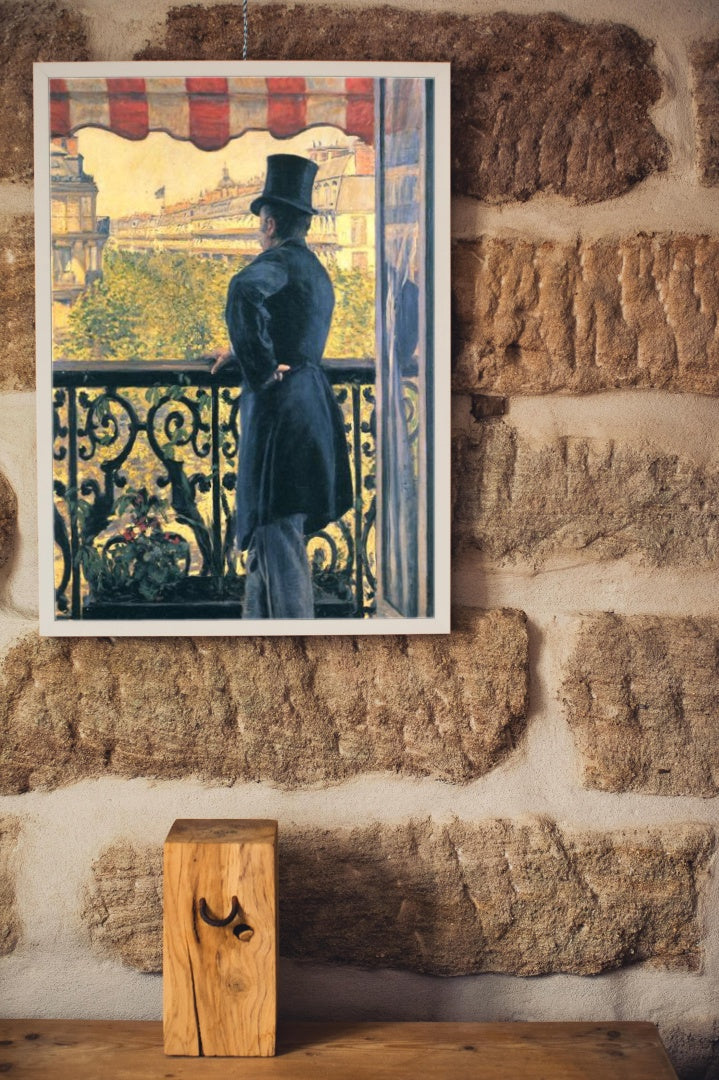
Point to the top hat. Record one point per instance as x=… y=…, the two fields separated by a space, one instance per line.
x=288 y=182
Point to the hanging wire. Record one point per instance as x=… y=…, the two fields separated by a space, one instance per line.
x=244 y=29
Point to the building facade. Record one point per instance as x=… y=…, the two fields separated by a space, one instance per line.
x=78 y=235
x=219 y=223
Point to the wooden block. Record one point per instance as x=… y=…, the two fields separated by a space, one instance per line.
x=220 y=981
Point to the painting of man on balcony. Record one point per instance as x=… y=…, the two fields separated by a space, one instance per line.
x=166 y=392
x=294 y=475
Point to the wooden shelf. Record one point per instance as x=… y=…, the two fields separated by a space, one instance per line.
x=119 y=1050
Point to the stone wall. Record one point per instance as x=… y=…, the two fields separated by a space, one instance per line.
x=534 y=795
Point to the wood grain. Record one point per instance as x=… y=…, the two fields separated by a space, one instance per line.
x=220 y=987
x=86 y=1050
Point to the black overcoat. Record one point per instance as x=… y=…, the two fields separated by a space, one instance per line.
x=293 y=456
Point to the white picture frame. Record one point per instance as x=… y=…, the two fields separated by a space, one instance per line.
x=424 y=591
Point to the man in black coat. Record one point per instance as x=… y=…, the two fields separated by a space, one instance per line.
x=293 y=476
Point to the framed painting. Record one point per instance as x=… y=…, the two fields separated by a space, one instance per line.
x=243 y=348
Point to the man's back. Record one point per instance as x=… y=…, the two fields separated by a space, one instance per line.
x=279 y=310
x=301 y=313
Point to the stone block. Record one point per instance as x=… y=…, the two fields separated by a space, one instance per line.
x=8 y=519
x=41 y=32
x=17 y=303
x=516 y=500
x=540 y=103
x=642 y=697
x=522 y=897
x=705 y=63
x=537 y=317
x=9 y=918
x=123 y=905
x=289 y=711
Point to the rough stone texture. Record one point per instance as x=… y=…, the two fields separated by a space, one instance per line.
x=123 y=905
x=705 y=60
x=17 y=304
x=514 y=500
x=519 y=897
x=642 y=697
x=539 y=102
x=533 y=318
x=43 y=32
x=8 y=519
x=292 y=711
x=9 y=919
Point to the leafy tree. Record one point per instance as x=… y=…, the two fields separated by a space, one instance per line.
x=352 y=331
x=149 y=306
x=170 y=305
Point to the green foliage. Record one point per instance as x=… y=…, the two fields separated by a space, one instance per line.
x=143 y=561
x=150 y=306
x=171 y=305
x=352 y=332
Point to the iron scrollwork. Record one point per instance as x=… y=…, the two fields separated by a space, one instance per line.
x=179 y=444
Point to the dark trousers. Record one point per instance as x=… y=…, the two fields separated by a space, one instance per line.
x=279 y=582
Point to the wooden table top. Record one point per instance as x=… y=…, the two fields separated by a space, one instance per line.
x=120 y=1050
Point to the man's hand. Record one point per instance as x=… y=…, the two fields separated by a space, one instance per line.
x=221 y=358
x=276 y=376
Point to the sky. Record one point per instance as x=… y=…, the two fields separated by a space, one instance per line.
x=128 y=173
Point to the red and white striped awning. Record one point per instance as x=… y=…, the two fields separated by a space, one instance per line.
x=208 y=111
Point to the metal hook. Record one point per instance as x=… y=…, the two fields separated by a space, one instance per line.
x=206 y=917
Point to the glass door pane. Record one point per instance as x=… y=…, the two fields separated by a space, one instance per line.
x=405 y=346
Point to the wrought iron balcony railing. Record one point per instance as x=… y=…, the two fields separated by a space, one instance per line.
x=167 y=434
